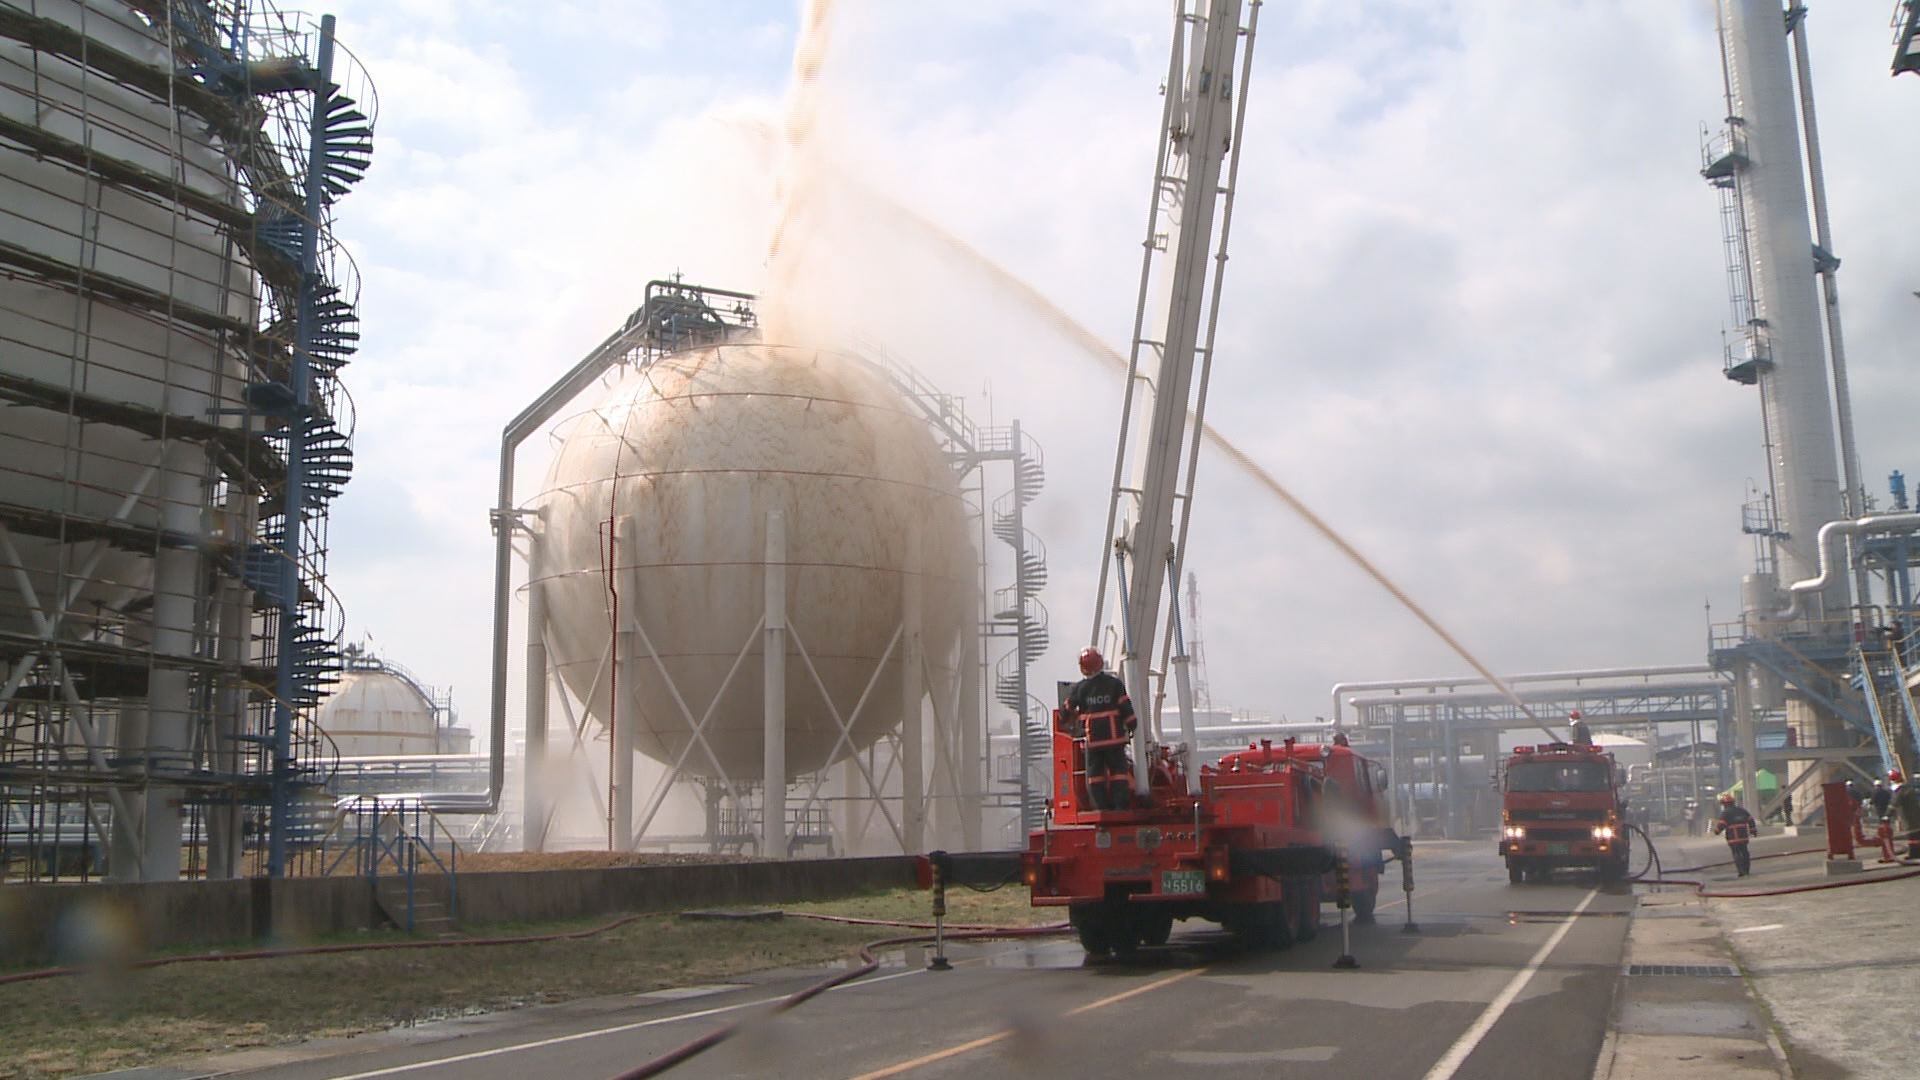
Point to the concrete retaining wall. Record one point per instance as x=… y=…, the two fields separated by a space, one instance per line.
x=42 y=924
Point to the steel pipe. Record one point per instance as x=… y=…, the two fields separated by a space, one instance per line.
x=1340 y=689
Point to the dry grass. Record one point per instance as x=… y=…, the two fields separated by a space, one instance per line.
x=65 y=1027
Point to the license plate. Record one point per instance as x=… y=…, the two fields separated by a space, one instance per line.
x=1182 y=882
x=1556 y=849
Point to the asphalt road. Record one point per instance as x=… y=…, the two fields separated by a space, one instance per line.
x=1501 y=981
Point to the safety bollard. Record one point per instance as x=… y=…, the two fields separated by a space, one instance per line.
x=1343 y=899
x=1405 y=851
x=942 y=865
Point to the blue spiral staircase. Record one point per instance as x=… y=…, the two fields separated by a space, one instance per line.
x=301 y=142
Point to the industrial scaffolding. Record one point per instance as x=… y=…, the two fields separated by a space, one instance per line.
x=174 y=313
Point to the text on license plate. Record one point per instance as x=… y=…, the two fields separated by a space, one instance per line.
x=1178 y=882
x=1556 y=849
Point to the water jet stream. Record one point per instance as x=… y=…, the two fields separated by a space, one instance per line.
x=1091 y=344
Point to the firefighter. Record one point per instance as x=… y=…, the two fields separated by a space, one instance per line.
x=1882 y=799
x=1102 y=714
x=1906 y=805
x=1737 y=824
x=1580 y=735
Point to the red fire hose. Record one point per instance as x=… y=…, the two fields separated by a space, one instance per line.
x=521 y=939
x=1700 y=887
x=868 y=963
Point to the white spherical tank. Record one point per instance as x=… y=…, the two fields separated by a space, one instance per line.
x=373 y=712
x=687 y=458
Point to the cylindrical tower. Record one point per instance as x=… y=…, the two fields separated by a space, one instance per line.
x=1785 y=352
x=172 y=314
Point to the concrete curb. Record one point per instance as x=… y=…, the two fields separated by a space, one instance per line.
x=1684 y=1026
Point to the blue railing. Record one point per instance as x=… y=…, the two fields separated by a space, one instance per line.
x=398 y=837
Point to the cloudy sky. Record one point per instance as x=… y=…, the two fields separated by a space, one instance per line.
x=1472 y=317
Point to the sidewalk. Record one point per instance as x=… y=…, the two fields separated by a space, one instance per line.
x=1824 y=983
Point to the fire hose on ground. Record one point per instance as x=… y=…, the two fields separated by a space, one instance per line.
x=1701 y=886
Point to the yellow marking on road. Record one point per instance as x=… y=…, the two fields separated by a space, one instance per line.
x=1002 y=1036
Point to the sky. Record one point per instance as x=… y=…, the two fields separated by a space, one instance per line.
x=1472 y=315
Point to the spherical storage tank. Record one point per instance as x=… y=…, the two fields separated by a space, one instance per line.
x=686 y=458
x=375 y=712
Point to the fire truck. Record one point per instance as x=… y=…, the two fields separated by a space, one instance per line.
x=1561 y=806
x=1264 y=842
x=1259 y=839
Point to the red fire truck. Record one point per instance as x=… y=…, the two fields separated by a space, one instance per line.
x=1561 y=807
x=1257 y=850
x=1250 y=842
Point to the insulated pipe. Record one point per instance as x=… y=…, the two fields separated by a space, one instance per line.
x=1827 y=266
x=531 y=419
x=1340 y=689
x=1492 y=697
x=1894 y=523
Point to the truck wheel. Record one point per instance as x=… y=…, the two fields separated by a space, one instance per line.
x=1363 y=904
x=1276 y=925
x=1516 y=873
x=1306 y=922
x=1262 y=926
x=1096 y=932
x=1158 y=929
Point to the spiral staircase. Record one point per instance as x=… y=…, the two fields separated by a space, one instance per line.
x=1019 y=613
x=300 y=113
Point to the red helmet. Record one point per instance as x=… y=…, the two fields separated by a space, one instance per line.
x=1727 y=797
x=1091 y=661
x=1894 y=775
x=1574 y=715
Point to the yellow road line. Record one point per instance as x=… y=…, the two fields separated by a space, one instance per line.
x=1137 y=991
x=1001 y=1036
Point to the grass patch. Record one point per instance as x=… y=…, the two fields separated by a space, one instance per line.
x=96 y=1022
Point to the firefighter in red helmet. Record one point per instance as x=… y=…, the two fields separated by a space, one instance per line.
x=1099 y=711
x=1737 y=825
x=1578 y=734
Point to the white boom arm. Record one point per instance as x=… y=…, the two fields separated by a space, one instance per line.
x=1179 y=298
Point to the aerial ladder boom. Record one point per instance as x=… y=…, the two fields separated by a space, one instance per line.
x=1179 y=296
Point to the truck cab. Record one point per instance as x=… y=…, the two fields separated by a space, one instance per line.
x=1561 y=807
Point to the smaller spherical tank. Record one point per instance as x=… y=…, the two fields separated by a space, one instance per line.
x=377 y=713
x=683 y=462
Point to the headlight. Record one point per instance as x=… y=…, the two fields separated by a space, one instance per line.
x=1516 y=832
x=1603 y=832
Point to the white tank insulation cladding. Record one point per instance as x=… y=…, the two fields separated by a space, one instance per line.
x=685 y=459
x=99 y=348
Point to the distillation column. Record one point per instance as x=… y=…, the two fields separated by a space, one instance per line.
x=1776 y=266
x=1785 y=330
